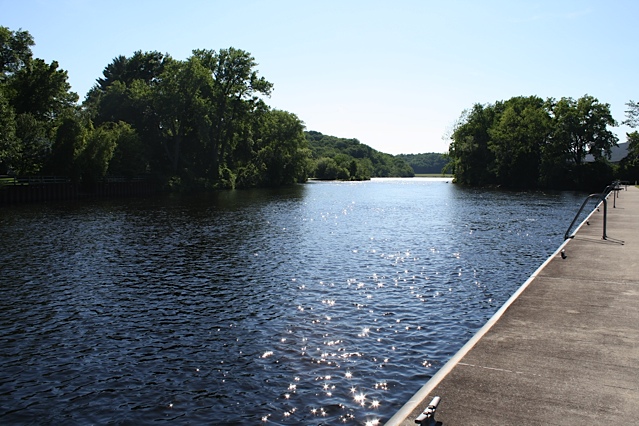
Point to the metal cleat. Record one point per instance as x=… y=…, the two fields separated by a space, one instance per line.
x=427 y=418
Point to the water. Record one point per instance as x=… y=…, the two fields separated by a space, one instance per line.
x=325 y=303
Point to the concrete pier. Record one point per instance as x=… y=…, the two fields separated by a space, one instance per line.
x=564 y=350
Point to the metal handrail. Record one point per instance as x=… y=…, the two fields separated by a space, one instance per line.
x=613 y=187
x=605 y=203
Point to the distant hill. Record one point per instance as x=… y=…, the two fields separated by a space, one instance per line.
x=429 y=163
x=337 y=158
x=617 y=153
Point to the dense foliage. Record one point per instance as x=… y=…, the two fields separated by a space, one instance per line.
x=35 y=99
x=203 y=123
x=629 y=166
x=528 y=142
x=348 y=159
x=427 y=163
x=200 y=122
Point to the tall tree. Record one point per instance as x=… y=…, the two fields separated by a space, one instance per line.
x=632 y=114
x=41 y=90
x=282 y=152
x=630 y=164
x=581 y=128
x=69 y=142
x=471 y=158
x=518 y=136
x=9 y=148
x=15 y=51
x=235 y=94
x=182 y=110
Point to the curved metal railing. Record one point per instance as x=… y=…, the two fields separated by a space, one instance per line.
x=613 y=187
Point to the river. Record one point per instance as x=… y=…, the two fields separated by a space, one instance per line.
x=323 y=303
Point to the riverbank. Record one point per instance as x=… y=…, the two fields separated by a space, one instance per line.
x=42 y=189
x=563 y=350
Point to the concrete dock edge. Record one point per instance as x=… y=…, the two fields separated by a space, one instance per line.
x=407 y=414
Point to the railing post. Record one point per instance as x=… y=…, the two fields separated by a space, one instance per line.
x=605 y=218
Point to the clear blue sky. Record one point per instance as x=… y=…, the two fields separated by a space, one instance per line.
x=394 y=74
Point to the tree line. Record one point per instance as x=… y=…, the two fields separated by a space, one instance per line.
x=426 y=163
x=197 y=123
x=201 y=122
x=348 y=159
x=529 y=143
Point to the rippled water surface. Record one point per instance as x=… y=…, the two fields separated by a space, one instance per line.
x=325 y=303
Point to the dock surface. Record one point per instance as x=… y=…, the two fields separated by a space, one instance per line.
x=564 y=350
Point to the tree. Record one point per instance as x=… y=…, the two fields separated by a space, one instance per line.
x=9 y=148
x=629 y=166
x=526 y=142
x=15 y=51
x=145 y=66
x=518 y=136
x=234 y=95
x=471 y=158
x=42 y=90
x=426 y=163
x=70 y=141
x=34 y=145
x=129 y=158
x=327 y=169
x=180 y=104
x=40 y=96
x=581 y=127
x=368 y=161
x=632 y=114
x=97 y=154
x=282 y=151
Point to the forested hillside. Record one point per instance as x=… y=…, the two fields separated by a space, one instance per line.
x=427 y=163
x=349 y=159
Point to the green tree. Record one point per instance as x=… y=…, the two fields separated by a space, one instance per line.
x=34 y=96
x=368 y=161
x=9 y=148
x=632 y=114
x=15 y=51
x=426 y=163
x=282 y=152
x=70 y=140
x=98 y=152
x=327 y=169
x=580 y=127
x=181 y=108
x=42 y=90
x=129 y=158
x=629 y=166
x=471 y=158
x=234 y=95
x=34 y=145
x=518 y=135
x=124 y=94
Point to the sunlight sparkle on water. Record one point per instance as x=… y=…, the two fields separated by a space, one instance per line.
x=360 y=398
